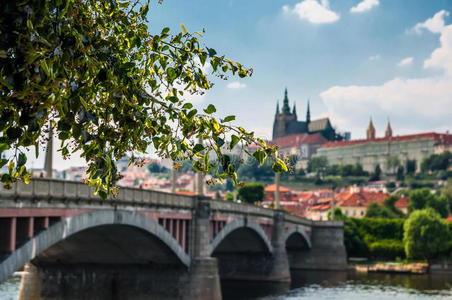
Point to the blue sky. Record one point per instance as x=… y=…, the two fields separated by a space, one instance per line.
x=353 y=59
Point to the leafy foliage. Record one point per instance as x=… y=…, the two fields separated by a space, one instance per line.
x=154 y=167
x=107 y=87
x=426 y=234
x=252 y=170
x=410 y=166
x=387 y=249
x=423 y=198
x=376 y=175
x=437 y=162
x=251 y=192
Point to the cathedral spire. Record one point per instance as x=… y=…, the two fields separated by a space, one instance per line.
x=371 y=130
x=277 y=107
x=294 y=111
x=286 y=108
x=308 y=114
x=388 y=132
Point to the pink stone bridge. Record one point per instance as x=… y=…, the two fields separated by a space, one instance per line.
x=145 y=243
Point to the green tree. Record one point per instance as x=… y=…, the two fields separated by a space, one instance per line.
x=447 y=192
x=229 y=196
x=400 y=173
x=154 y=167
x=107 y=87
x=251 y=193
x=338 y=215
x=423 y=198
x=392 y=163
x=317 y=164
x=376 y=175
x=379 y=211
x=253 y=171
x=410 y=166
x=425 y=234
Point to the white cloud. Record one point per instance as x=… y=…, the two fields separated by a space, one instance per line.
x=236 y=85
x=313 y=11
x=414 y=105
x=435 y=24
x=441 y=58
x=405 y=62
x=364 y=5
x=375 y=57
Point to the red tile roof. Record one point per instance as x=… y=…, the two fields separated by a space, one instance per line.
x=272 y=188
x=440 y=139
x=402 y=202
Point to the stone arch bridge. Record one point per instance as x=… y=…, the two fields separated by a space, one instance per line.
x=145 y=243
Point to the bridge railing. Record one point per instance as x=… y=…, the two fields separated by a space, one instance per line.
x=54 y=190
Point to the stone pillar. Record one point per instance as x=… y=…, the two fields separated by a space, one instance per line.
x=280 y=270
x=277 y=192
x=173 y=179
x=204 y=281
x=30 y=284
x=327 y=251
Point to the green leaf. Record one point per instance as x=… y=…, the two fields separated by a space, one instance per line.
x=14 y=133
x=220 y=142
x=210 y=109
x=234 y=140
x=229 y=119
x=22 y=159
x=211 y=51
x=279 y=166
x=187 y=106
x=260 y=156
x=3 y=162
x=3 y=147
x=173 y=99
x=198 y=148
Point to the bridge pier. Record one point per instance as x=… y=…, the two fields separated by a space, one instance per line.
x=280 y=270
x=327 y=249
x=204 y=280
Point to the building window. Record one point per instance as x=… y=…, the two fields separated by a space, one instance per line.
x=354 y=212
x=362 y=213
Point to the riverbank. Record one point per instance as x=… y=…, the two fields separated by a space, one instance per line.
x=392 y=267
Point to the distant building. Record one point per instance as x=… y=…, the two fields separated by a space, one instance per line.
x=353 y=202
x=373 y=150
x=302 y=145
x=287 y=124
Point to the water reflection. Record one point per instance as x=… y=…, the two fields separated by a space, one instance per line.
x=321 y=285
x=9 y=290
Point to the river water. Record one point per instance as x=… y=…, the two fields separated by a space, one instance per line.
x=322 y=286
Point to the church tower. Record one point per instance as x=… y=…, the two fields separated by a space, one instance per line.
x=371 y=131
x=286 y=107
x=388 y=132
x=286 y=123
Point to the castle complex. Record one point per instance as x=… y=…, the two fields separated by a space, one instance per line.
x=378 y=150
x=286 y=123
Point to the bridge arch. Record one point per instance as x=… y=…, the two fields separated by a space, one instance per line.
x=70 y=226
x=236 y=225
x=297 y=235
